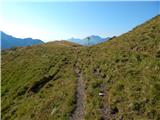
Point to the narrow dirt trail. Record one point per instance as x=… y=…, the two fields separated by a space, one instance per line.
x=78 y=113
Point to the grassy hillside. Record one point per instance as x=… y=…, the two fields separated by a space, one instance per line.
x=127 y=70
x=39 y=82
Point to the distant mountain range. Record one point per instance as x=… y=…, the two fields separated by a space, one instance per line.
x=88 y=41
x=8 y=41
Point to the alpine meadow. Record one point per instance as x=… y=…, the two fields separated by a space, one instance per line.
x=118 y=79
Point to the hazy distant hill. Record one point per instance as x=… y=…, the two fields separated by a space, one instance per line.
x=115 y=80
x=93 y=39
x=8 y=41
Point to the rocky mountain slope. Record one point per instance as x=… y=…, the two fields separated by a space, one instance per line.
x=118 y=79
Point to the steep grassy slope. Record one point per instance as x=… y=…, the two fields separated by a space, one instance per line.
x=127 y=70
x=39 y=82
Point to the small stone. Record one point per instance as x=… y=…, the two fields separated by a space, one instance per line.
x=101 y=94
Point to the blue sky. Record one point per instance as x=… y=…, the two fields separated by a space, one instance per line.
x=62 y=20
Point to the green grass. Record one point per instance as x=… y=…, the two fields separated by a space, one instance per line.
x=126 y=68
x=129 y=68
x=24 y=67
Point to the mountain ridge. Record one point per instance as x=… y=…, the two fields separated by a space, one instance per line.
x=121 y=79
x=8 y=41
x=89 y=41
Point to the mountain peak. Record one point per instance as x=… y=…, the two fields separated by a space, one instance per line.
x=94 y=39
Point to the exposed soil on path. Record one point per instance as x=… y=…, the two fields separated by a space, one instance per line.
x=78 y=113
